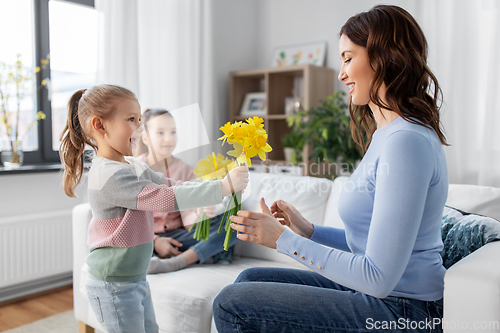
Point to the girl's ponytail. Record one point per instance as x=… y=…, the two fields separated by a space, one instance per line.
x=73 y=140
x=97 y=101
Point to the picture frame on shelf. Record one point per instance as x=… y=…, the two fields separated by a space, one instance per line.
x=311 y=53
x=254 y=104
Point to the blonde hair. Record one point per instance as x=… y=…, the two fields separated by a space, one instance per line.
x=82 y=107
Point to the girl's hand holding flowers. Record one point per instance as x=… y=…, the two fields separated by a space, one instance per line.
x=261 y=228
x=249 y=139
x=235 y=181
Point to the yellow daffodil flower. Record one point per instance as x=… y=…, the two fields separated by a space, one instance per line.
x=40 y=115
x=256 y=121
x=214 y=167
x=259 y=147
x=240 y=152
x=227 y=129
x=239 y=133
x=248 y=139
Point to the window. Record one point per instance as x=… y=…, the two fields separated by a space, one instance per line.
x=16 y=34
x=67 y=30
x=73 y=57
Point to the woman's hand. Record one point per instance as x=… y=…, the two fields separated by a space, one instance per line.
x=292 y=218
x=167 y=247
x=261 y=228
x=235 y=181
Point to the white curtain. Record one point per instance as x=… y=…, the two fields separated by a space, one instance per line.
x=464 y=44
x=163 y=52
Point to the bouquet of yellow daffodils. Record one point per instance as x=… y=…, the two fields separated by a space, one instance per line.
x=248 y=139
x=210 y=168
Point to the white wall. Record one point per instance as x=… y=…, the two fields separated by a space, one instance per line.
x=292 y=22
x=236 y=43
x=31 y=193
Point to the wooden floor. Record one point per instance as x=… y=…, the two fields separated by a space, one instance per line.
x=25 y=311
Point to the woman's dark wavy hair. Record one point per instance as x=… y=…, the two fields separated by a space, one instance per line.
x=397 y=51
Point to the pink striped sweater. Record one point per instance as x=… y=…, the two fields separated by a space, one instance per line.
x=123 y=197
x=167 y=221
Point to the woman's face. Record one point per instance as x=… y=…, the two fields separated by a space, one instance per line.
x=162 y=136
x=356 y=71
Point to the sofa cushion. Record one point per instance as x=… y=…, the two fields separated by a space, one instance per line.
x=183 y=299
x=483 y=200
x=464 y=233
x=332 y=218
x=308 y=194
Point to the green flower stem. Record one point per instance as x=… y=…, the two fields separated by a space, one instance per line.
x=202 y=230
x=236 y=198
x=226 y=212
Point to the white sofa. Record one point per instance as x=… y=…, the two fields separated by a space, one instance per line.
x=183 y=299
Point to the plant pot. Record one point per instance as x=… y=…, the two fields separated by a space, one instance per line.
x=288 y=154
x=12 y=153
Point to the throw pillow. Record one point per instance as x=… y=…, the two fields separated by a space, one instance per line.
x=464 y=233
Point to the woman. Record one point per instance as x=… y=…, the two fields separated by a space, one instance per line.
x=384 y=271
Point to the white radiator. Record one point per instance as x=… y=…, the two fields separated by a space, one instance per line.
x=35 y=247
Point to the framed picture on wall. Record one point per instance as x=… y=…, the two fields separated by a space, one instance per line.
x=312 y=53
x=254 y=104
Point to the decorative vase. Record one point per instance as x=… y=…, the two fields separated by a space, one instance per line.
x=12 y=153
x=287 y=151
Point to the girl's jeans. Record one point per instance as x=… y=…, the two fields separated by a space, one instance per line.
x=122 y=306
x=204 y=250
x=292 y=300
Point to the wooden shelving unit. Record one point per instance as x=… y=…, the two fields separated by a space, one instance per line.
x=278 y=83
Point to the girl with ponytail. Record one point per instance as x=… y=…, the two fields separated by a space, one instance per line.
x=123 y=194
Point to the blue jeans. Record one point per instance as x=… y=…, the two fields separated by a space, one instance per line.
x=292 y=300
x=122 y=306
x=203 y=249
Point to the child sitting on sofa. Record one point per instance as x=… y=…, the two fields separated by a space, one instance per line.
x=174 y=246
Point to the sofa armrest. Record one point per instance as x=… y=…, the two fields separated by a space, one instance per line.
x=80 y=222
x=472 y=292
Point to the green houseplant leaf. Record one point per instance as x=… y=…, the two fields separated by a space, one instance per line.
x=327 y=129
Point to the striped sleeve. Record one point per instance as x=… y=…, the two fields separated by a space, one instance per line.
x=125 y=189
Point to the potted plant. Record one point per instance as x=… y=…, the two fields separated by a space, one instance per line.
x=15 y=86
x=326 y=129
x=293 y=144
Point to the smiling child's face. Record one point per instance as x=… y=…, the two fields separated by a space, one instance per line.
x=161 y=136
x=121 y=130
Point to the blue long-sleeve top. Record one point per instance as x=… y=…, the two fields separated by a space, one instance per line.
x=391 y=207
